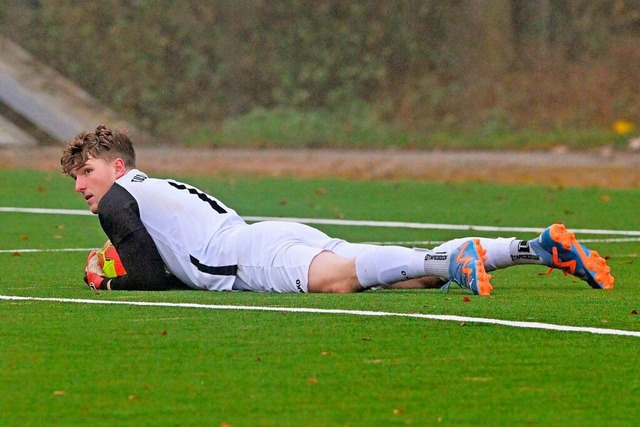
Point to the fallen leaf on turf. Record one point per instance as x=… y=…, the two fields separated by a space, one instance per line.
x=16 y=253
x=312 y=380
x=634 y=311
x=398 y=411
x=23 y=237
x=164 y=332
x=59 y=393
x=466 y=299
x=326 y=353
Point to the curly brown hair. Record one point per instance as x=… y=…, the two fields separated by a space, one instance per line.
x=102 y=144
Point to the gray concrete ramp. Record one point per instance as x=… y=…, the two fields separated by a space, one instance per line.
x=12 y=135
x=48 y=100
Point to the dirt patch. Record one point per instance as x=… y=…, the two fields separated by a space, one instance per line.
x=610 y=169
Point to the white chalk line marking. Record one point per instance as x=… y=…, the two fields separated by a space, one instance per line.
x=35 y=251
x=427 y=243
x=388 y=224
x=439 y=242
x=360 y=223
x=442 y=317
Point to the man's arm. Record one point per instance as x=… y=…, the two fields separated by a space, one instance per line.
x=144 y=267
x=120 y=219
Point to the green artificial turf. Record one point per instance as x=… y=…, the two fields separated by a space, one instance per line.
x=74 y=363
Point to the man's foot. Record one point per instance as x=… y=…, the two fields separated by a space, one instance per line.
x=466 y=268
x=568 y=255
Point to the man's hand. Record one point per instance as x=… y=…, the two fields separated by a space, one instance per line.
x=93 y=274
x=93 y=280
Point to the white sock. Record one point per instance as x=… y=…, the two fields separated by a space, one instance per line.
x=436 y=263
x=498 y=252
x=522 y=252
x=498 y=255
x=385 y=265
x=501 y=252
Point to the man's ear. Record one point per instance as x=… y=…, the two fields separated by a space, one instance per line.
x=119 y=167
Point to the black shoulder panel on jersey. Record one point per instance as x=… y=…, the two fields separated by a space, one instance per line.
x=119 y=214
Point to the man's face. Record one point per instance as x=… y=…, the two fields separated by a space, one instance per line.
x=94 y=179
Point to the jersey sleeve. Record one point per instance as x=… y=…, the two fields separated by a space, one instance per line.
x=120 y=219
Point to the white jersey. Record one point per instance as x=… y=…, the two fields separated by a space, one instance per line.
x=164 y=229
x=191 y=229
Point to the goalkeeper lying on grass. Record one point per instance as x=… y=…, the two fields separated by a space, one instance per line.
x=169 y=234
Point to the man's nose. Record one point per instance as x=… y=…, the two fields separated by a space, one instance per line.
x=80 y=184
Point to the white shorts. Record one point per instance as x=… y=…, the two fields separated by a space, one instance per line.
x=274 y=256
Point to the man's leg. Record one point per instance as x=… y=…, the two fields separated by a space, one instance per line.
x=388 y=265
x=556 y=248
x=332 y=273
x=327 y=274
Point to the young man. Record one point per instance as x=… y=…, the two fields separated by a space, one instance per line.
x=170 y=234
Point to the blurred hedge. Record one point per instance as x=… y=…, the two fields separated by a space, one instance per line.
x=419 y=65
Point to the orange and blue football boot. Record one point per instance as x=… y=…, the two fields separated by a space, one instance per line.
x=565 y=253
x=466 y=268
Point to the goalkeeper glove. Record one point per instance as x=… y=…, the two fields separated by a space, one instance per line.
x=93 y=274
x=93 y=280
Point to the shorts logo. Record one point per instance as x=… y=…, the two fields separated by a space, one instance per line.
x=299 y=286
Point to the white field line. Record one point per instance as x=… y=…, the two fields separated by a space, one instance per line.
x=450 y=318
x=426 y=244
x=387 y=224
x=439 y=242
x=35 y=251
